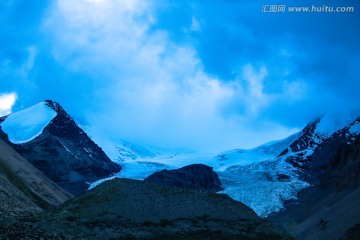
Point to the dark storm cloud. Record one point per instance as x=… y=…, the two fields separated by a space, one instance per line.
x=320 y=49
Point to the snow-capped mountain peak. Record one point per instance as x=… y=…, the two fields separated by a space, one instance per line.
x=25 y=125
x=54 y=143
x=316 y=133
x=331 y=123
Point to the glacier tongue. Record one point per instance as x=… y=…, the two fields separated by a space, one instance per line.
x=27 y=124
x=262 y=186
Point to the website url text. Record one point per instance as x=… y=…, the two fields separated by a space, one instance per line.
x=305 y=9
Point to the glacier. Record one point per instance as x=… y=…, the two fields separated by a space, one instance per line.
x=262 y=178
x=251 y=176
x=262 y=186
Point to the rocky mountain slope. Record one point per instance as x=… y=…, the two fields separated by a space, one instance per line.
x=266 y=185
x=329 y=208
x=23 y=188
x=51 y=140
x=194 y=176
x=130 y=209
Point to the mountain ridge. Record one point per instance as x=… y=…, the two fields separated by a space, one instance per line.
x=326 y=210
x=62 y=151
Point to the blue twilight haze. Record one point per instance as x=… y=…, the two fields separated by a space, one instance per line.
x=204 y=75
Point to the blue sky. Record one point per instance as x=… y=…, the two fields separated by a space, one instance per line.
x=210 y=76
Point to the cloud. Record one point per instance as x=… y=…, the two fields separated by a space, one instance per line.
x=256 y=98
x=195 y=25
x=181 y=74
x=7 y=101
x=300 y=51
x=148 y=88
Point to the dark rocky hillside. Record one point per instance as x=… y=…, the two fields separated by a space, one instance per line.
x=23 y=188
x=66 y=154
x=195 y=176
x=130 y=209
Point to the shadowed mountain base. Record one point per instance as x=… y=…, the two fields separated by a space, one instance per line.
x=129 y=209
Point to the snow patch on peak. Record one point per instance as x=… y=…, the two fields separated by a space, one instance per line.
x=331 y=123
x=25 y=125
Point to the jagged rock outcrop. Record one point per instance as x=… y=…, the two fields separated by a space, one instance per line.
x=194 y=176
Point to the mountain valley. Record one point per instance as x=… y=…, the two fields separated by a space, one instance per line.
x=307 y=184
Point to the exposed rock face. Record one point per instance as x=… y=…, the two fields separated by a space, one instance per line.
x=315 y=146
x=23 y=188
x=130 y=209
x=66 y=154
x=195 y=176
x=305 y=140
x=343 y=172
